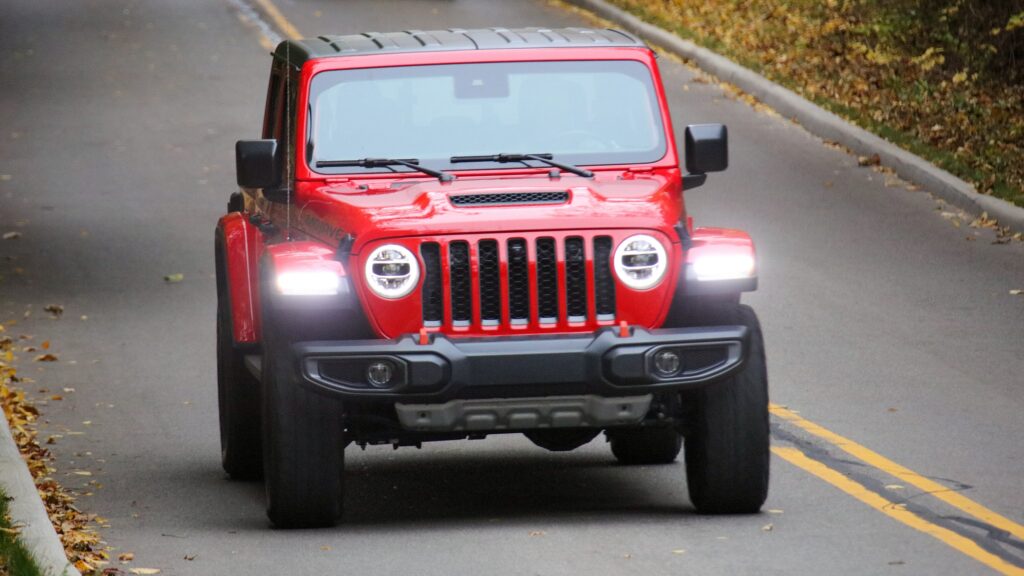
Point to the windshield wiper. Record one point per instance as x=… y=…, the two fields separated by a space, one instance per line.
x=385 y=162
x=503 y=158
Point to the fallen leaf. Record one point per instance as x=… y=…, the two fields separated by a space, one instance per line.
x=82 y=473
x=45 y=344
x=144 y=570
x=537 y=533
x=56 y=397
x=767 y=527
x=55 y=310
x=126 y=557
x=189 y=558
x=894 y=487
x=774 y=511
x=12 y=235
x=46 y=358
x=679 y=551
x=873 y=160
x=325 y=548
x=174 y=278
x=1016 y=292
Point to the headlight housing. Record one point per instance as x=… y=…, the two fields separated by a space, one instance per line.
x=640 y=262
x=392 y=271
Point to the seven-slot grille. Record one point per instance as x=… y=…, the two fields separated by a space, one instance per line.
x=567 y=273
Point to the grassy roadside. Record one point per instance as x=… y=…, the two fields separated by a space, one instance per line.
x=943 y=79
x=14 y=559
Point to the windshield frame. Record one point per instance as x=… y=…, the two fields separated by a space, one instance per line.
x=305 y=165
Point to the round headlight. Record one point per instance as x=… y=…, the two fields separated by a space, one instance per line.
x=392 y=271
x=640 y=262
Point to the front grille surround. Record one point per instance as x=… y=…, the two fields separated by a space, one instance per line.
x=543 y=280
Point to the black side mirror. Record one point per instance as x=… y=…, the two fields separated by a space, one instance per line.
x=707 y=150
x=257 y=164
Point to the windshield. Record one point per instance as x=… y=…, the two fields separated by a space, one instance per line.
x=582 y=112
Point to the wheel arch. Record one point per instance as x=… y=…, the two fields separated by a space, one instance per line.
x=236 y=248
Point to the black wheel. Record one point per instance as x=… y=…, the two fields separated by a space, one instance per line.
x=658 y=445
x=303 y=452
x=238 y=398
x=727 y=441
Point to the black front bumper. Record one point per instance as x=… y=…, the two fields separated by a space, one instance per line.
x=603 y=363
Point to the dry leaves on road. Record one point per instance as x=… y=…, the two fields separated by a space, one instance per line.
x=81 y=543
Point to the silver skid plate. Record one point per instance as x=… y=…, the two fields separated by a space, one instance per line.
x=524 y=413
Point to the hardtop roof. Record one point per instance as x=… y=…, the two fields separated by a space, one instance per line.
x=297 y=52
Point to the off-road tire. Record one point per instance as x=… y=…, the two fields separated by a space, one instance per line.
x=303 y=451
x=727 y=434
x=655 y=445
x=238 y=399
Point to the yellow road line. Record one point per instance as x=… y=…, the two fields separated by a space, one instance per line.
x=896 y=511
x=933 y=488
x=275 y=14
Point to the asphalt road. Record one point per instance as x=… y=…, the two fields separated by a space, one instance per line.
x=885 y=324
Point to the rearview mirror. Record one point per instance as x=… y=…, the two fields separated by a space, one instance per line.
x=706 y=148
x=257 y=164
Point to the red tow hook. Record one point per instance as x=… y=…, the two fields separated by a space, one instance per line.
x=424 y=337
x=624 y=330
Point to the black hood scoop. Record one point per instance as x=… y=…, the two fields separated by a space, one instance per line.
x=510 y=198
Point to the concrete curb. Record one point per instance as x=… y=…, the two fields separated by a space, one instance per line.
x=818 y=121
x=27 y=510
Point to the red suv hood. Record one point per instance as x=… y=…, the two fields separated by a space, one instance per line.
x=373 y=210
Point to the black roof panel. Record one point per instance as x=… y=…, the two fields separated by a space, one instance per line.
x=299 y=51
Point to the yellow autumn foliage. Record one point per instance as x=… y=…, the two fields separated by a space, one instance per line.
x=943 y=78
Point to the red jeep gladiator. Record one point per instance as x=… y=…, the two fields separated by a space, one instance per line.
x=457 y=233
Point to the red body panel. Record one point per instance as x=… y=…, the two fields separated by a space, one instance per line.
x=720 y=242
x=410 y=208
x=301 y=256
x=242 y=245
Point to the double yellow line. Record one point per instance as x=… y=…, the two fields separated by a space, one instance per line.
x=799 y=459
x=894 y=510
